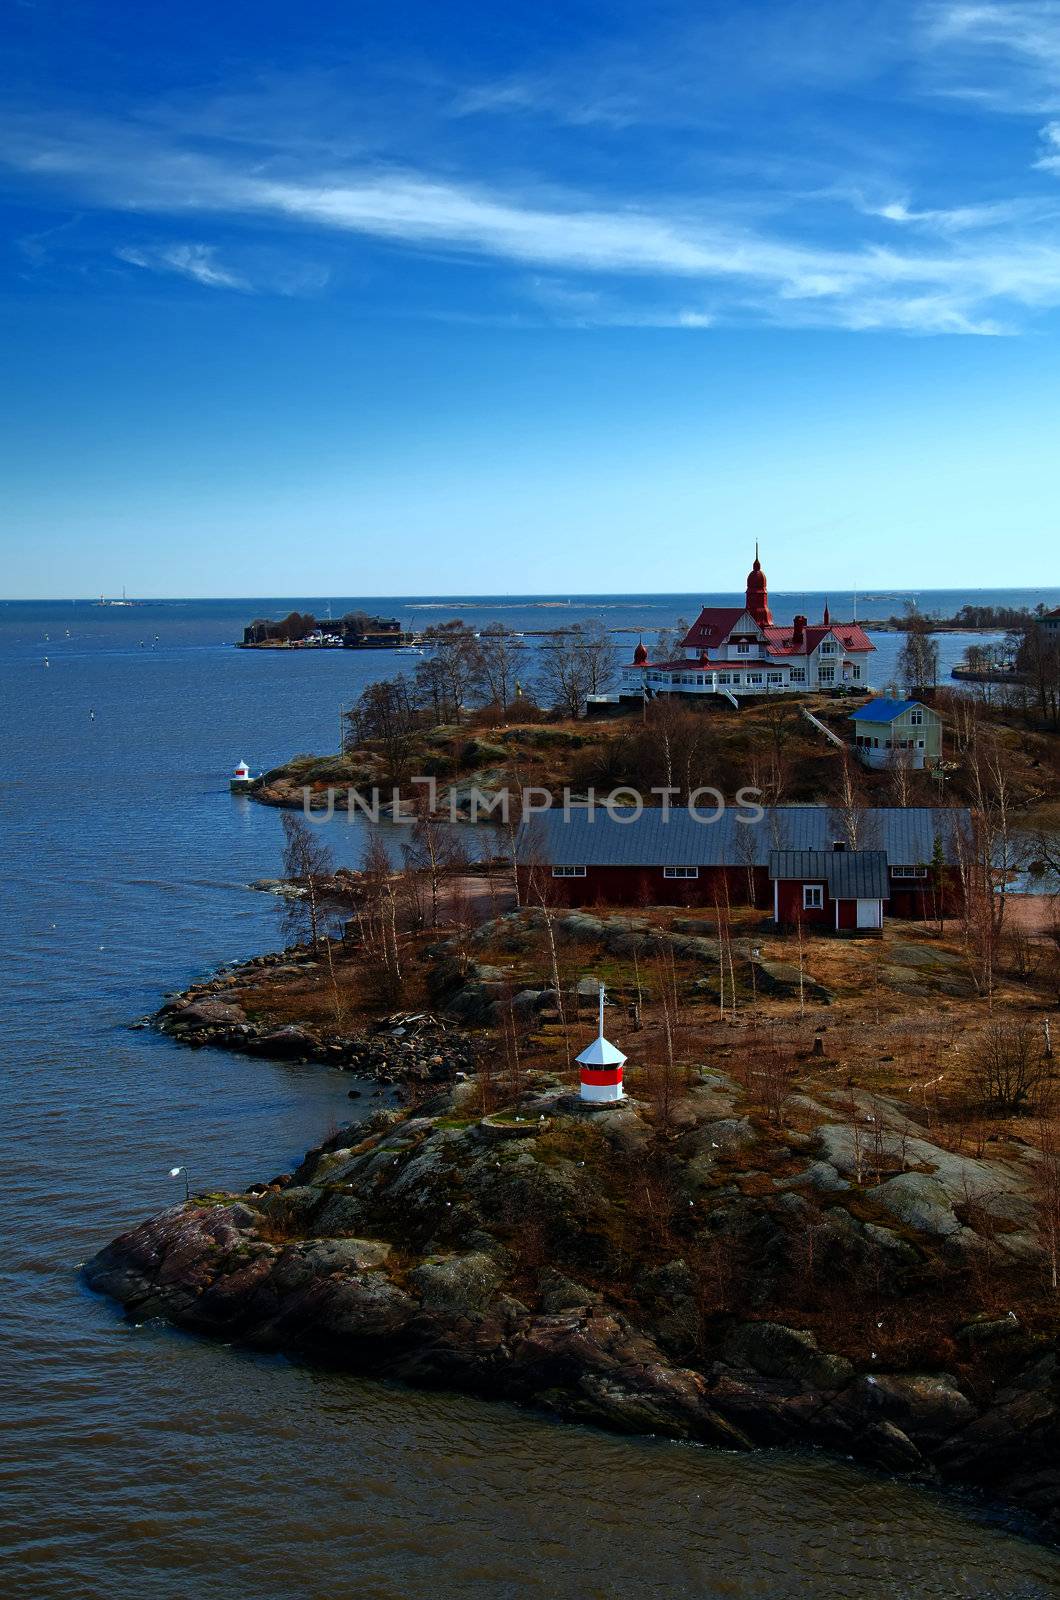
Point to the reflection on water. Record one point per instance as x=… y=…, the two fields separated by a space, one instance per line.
x=137 y=1461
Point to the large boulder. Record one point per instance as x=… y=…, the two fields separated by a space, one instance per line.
x=782 y=979
x=776 y=1351
x=924 y=1405
x=460 y=1285
x=207 y=1012
x=919 y=1201
x=290 y=1043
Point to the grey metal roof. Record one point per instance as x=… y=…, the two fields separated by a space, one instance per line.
x=674 y=838
x=849 y=874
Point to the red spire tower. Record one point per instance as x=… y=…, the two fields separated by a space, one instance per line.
x=757 y=598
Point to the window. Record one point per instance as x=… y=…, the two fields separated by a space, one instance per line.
x=798 y=675
x=754 y=677
x=826 y=674
x=920 y=744
x=828 y=647
x=909 y=872
x=813 y=897
x=855 y=671
x=723 y=677
x=736 y=678
x=680 y=872
x=742 y=647
x=916 y=717
x=568 y=872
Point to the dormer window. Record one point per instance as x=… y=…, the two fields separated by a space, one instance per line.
x=743 y=646
x=828 y=647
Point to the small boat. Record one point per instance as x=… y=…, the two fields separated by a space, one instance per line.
x=408 y=650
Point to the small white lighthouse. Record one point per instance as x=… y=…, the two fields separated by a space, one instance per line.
x=601 y=1067
x=240 y=778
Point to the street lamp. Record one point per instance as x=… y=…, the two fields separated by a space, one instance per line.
x=175 y=1172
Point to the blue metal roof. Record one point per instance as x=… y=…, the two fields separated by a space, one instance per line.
x=850 y=874
x=674 y=838
x=884 y=710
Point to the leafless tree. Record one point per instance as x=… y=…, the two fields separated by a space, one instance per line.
x=377 y=920
x=309 y=866
x=1007 y=1063
x=575 y=664
x=848 y=807
x=497 y=660
x=918 y=659
x=668 y=641
x=900 y=780
x=452 y=651
x=386 y=714
x=1047 y=1190
x=434 y=852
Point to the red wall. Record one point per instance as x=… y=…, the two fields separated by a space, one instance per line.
x=789 y=907
x=646 y=886
x=848 y=913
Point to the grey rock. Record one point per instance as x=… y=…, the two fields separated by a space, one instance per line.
x=344 y=1255
x=461 y=1285
x=209 y=1013
x=888 y=1240
x=923 y=1404
x=780 y=1352
x=819 y=1175
x=781 y=978
x=919 y=1201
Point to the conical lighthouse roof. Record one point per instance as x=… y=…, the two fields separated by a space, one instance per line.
x=601 y=1053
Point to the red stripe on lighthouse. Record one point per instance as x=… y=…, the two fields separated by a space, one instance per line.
x=601 y=1075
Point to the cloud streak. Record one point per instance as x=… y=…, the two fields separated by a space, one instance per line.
x=195 y=261
x=1004 y=55
x=980 y=271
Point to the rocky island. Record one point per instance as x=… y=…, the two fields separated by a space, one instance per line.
x=804 y=1225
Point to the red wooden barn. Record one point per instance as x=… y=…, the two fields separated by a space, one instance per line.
x=905 y=861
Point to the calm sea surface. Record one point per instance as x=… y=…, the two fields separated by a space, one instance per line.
x=135 y=1461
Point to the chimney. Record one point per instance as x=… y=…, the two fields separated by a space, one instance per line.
x=798 y=637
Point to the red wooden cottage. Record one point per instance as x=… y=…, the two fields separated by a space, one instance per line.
x=838 y=888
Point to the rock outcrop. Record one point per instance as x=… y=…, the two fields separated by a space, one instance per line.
x=644 y=1277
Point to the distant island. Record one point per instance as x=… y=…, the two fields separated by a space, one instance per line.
x=356 y=630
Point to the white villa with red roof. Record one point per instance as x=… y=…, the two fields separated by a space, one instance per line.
x=736 y=651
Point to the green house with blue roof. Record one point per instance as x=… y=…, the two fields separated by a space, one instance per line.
x=897 y=730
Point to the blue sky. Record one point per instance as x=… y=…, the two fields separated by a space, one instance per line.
x=370 y=299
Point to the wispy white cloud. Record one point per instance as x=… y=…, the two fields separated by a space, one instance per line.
x=195 y=261
x=1000 y=53
x=1049 y=160
x=958 y=219
x=981 y=271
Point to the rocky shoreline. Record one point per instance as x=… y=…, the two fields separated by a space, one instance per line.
x=709 y=1277
x=403 y=1048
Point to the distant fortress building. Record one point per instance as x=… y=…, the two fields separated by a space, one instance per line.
x=735 y=651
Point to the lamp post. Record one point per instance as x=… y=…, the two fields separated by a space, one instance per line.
x=175 y=1172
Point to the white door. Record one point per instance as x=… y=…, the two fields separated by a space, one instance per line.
x=870 y=914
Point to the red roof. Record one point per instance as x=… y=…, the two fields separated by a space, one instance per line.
x=712 y=627
x=781 y=641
